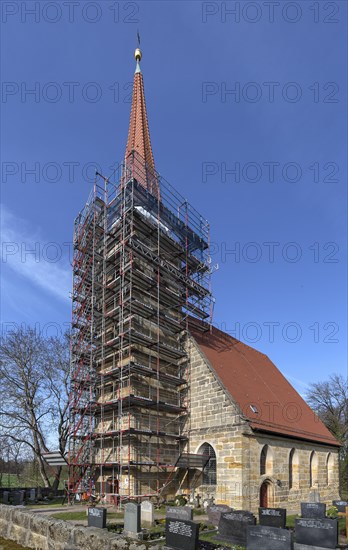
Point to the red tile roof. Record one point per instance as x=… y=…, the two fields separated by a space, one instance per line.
x=252 y=379
x=139 y=137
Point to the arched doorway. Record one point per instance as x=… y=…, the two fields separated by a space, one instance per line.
x=266 y=494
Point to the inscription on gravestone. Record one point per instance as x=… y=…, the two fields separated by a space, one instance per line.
x=233 y=526
x=132 y=518
x=97 y=517
x=214 y=512
x=147 y=514
x=317 y=532
x=179 y=512
x=313 y=509
x=340 y=505
x=181 y=535
x=261 y=537
x=274 y=517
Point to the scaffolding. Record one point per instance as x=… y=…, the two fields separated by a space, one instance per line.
x=141 y=272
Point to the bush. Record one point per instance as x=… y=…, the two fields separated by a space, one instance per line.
x=180 y=500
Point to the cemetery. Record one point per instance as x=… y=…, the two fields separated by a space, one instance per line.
x=168 y=526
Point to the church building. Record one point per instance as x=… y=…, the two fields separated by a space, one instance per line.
x=162 y=402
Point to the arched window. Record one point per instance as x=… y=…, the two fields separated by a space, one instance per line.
x=209 y=472
x=294 y=470
x=263 y=457
x=266 y=460
x=291 y=477
x=329 y=469
x=313 y=469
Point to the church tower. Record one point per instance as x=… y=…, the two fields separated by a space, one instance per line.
x=141 y=271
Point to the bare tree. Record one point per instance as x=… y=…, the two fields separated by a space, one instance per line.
x=34 y=393
x=329 y=399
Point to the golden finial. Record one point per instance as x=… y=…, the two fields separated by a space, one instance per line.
x=138 y=54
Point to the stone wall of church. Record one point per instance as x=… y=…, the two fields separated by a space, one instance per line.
x=314 y=471
x=216 y=420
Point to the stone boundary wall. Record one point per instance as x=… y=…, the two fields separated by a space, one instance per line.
x=42 y=532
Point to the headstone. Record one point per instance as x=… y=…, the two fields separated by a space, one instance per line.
x=32 y=494
x=340 y=505
x=181 y=534
x=313 y=510
x=5 y=496
x=273 y=517
x=97 y=517
x=317 y=532
x=314 y=496
x=260 y=537
x=233 y=526
x=179 y=512
x=17 y=498
x=132 y=518
x=214 y=512
x=147 y=514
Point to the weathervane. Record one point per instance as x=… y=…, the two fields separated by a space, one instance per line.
x=137 y=53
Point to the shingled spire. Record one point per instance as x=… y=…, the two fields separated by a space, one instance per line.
x=139 y=159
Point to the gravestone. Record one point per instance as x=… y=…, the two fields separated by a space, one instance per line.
x=316 y=532
x=340 y=505
x=97 y=517
x=214 y=512
x=147 y=514
x=179 y=512
x=17 y=498
x=132 y=519
x=314 y=496
x=181 y=534
x=261 y=537
x=32 y=494
x=313 y=510
x=273 y=517
x=5 y=496
x=233 y=526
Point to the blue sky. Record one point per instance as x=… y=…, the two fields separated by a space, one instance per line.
x=247 y=113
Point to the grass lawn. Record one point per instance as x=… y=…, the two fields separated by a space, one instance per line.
x=46 y=503
x=10 y=545
x=12 y=481
x=210 y=538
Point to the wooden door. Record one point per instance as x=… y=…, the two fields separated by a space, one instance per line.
x=264 y=495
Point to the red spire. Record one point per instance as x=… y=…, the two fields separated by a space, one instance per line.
x=139 y=157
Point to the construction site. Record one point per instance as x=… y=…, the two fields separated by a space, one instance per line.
x=141 y=275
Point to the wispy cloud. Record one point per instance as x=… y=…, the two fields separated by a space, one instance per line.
x=301 y=386
x=18 y=237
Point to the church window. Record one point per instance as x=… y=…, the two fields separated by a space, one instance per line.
x=329 y=469
x=209 y=472
x=313 y=469
x=266 y=460
x=294 y=471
